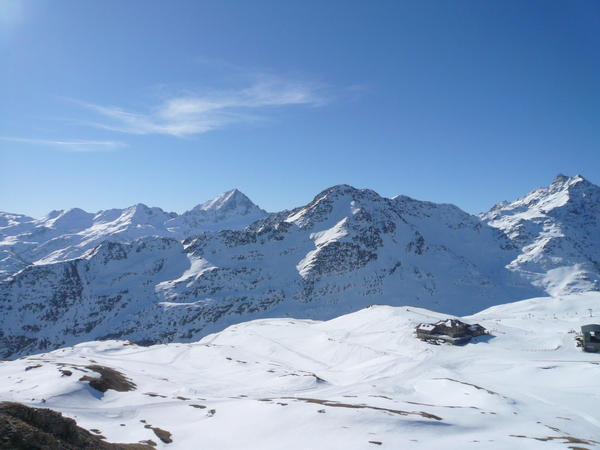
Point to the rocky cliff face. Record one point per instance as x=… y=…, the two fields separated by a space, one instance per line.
x=345 y=250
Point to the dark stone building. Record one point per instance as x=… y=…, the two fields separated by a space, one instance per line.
x=589 y=338
x=452 y=331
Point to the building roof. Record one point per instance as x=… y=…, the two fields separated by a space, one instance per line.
x=590 y=328
x=453 y=323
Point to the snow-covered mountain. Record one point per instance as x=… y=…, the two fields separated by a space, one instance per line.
x=64 y=235
x=347 y=249
x=557 y=230
x=231 y=210
x=358 y=382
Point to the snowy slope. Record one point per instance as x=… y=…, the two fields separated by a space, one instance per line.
x=64 y=235
x=557 y=230
x=359 y=381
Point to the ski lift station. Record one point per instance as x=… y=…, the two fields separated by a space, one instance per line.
x=590 y=338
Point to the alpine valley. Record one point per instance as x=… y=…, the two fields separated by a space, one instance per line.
x=152 y=277
x=230 y=328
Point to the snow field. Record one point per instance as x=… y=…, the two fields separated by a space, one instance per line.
x=359 y=381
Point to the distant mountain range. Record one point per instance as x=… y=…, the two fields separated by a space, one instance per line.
x=153 y=277
x=64 y=235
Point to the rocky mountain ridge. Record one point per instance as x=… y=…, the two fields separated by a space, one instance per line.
x=347 y=249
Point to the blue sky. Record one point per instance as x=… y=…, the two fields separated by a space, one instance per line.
x=106 y=103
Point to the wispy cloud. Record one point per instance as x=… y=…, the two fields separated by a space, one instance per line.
x=189 y=113
x=72 y=146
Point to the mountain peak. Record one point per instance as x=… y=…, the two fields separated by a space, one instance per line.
x=564 y=182
x=227 y=200
x=138 y=210
x=341 y=190
x=336 y=203
x=70 y=219
x=560 y=178
x=231 y=209
x=564 y=190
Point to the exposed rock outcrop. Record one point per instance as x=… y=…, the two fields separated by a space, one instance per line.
x=26 y=428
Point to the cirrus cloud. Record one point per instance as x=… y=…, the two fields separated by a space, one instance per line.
x=189 y=113
x=72 y=146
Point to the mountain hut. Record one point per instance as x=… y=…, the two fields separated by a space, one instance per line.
x=452 y=331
